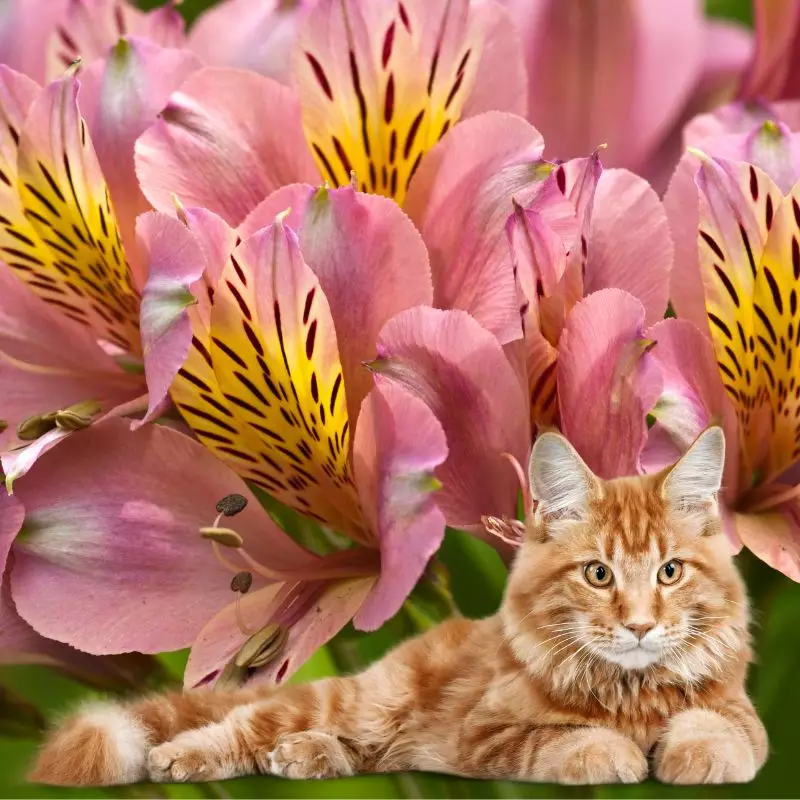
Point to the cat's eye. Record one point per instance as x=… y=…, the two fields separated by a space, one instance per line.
x=598 y=574
x=670 y=573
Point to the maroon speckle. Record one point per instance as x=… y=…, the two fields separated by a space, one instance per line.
x=388 y=42
x=282 y=671
x=319 y=74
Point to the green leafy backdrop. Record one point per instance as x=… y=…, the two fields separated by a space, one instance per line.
x=29 y=696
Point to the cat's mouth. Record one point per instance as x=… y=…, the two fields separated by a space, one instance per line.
x=634 y=655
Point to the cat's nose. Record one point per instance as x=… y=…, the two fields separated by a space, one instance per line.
x=640 y=629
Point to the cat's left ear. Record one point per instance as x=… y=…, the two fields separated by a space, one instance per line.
x=693 y=482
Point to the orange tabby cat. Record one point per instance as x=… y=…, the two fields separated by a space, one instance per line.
x=621 y=646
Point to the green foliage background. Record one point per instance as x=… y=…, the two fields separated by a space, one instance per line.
x=476 y=578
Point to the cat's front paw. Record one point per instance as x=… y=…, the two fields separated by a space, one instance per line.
x=197 y=755
x=309 y=754
x=601 y=756
x=702 y=747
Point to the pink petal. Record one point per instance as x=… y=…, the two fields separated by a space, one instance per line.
x=501 y=80
x=398 y=445
x=682 y=204
x=48 y=362
x=177 y=255
x=256 y=35
x=90 y=28
x=630 y=246
x=607 y=382
x=462 y=211
x=370 y=261
x=692 y=398
x=114 y=561
x=214 y=147
x=728 y=50
x=774 y=536
x=773 y=70
x=615 y=72
x=334 y=606
x=12 y=514
x=121 y=96
x=461 y=372
x=25 y=28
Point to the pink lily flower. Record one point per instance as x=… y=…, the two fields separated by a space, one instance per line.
x=20 y=644
x=735 y=358
x=378 y=84
x=41 y=38
x=266 y=368
x=628 y=74
x=71 y=275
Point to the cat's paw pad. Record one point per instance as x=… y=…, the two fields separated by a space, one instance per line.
x=175 y=762
x=310 y=754
x=716 y=758
x=607 y=758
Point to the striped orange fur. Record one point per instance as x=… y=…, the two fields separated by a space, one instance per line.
x=580 y=677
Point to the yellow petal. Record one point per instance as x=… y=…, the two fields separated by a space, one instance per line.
x=263 y=385
x=381 y=83
x=59 y=233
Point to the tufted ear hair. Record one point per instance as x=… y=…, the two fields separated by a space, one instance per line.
x=560 y=481
x=693 y=482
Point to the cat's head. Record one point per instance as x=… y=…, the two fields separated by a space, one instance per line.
x=634 y=572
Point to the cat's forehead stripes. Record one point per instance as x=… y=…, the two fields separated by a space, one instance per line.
x=631 y=521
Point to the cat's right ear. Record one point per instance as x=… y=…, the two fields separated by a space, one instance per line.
x=560 y=481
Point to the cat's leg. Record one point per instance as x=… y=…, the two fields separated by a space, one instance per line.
x=106 y=744
x=302 y=731
x=727 y=744
x=552 y=754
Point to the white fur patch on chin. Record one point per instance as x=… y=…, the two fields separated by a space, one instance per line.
x=126 y=740
x=635 y=658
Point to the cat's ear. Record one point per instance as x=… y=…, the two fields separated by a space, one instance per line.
x=693 y=482
x=560 y=481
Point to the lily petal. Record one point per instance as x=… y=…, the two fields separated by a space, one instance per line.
x=774 y=537
x=334 y=605
x=629 y=228
x=214 y=147
x=598 y=71
x=121 y=97
x=89 y=28
x=398 y=445
x=112 y=560
x=773 y=73
x=271 y=399
x=62 y=238
x=378 y=104
x=248 y=34
x=692 y=398
x=607 y=382
x=462 y=212
x=184 y=259
x=25 y=28
x=461 y=372
x=370 y=261
x=48 y=362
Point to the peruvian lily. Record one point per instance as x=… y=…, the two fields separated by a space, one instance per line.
x=266 y=368
x=625 y=73
x=41 y=38
x=20 y=644
x=70 y=274
x=378 y=84
x=736 y=359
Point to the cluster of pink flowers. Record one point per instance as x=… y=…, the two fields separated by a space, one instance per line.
x=313 y=265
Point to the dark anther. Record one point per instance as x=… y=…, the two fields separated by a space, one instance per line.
x=231 y=505
x=242 y=581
